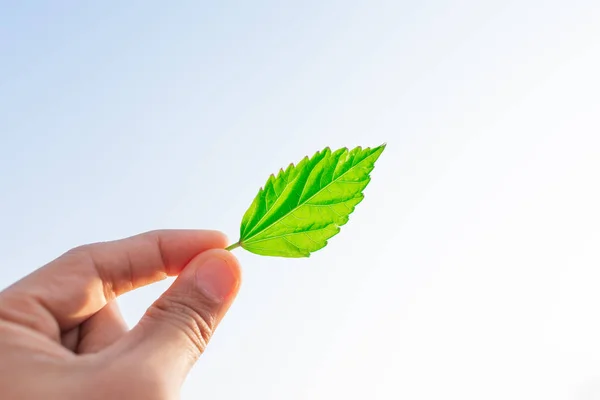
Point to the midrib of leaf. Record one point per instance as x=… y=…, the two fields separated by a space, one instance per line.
x=306 y=201
x=284 y=235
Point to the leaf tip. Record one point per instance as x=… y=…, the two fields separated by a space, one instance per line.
x=378 y=150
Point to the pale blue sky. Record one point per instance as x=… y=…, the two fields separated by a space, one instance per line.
x=469 y=271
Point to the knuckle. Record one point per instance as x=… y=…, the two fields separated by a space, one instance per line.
x=77 y=255
x=80 y=251
x=193 y=318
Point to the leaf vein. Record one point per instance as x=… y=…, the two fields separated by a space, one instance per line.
x=290 y=234
x=333 y=180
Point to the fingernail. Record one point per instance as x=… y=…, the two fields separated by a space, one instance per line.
x=216 y=278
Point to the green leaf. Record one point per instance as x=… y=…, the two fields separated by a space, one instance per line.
x=295 y=213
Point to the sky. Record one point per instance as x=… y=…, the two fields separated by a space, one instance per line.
x=469 y=271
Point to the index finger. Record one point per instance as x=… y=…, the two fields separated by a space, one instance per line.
x=76 y=285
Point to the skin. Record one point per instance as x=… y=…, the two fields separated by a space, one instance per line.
x=62 y=335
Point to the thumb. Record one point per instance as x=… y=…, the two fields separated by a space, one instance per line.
x=176 y=329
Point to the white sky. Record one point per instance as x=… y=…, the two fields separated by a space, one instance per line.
x=469 y=271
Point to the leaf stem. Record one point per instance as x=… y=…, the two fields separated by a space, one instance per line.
x=233 y=246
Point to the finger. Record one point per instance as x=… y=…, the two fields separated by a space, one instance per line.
x=70 y=289
x=97 y=332
x=102 y=329
x=70 y=339
x=177 y=327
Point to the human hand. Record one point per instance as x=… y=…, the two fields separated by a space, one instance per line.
x=62 y=335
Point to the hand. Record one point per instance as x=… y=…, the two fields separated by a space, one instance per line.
x=62 y=335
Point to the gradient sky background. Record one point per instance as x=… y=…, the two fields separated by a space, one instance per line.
x=470 y=271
